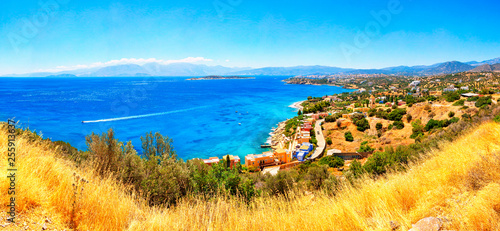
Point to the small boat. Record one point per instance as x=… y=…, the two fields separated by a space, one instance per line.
x=265 y=146
x=239 y=124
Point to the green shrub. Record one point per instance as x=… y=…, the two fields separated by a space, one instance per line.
x=397 y=114
x=282 y=183
x=451 y=114
x=365 y=148
x=348 y=136
x=483 y=101
x=332 y=161
x=355 y=170
x=356 y=117
x=378 y=126
x=398 y=125
x=431 y=98
x=438 y=123
x=316 y=175
x=472 y=99
x=362 y=125
x=459 y=103
x=418 y=130
x=497 y=119
x=380 y=162
x=332 y=118
x=452 y=96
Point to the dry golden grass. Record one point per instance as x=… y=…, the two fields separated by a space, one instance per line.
x=45 y=189
x=460 y=184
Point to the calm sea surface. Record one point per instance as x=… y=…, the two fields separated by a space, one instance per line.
x=204 y=118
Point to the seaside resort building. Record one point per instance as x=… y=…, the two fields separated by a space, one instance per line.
x=279 y=156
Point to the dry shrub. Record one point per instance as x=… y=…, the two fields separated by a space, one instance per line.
x=484 y=172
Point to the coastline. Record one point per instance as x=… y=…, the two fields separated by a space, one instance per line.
x=298 y=105
x=276 y=137
x=189 y=145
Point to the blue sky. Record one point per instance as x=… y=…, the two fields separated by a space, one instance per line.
x=245 y=33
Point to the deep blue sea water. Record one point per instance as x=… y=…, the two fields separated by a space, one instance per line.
x=202 y=117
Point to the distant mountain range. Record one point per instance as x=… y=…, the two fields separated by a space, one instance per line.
x=189 y=69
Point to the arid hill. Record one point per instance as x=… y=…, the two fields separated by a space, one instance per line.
x=487 y=68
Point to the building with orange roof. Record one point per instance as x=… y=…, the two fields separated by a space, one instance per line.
x=303 y=136
x=282 y=155
x=259 y=160
x=279 y=156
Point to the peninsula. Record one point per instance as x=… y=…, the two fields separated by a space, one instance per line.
x=217 y=77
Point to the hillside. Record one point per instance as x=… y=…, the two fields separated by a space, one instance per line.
x=459 y=184
x=393 y=137
x=448 y=68
x=487 y=68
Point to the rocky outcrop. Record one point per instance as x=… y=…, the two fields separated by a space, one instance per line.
x=427 y=224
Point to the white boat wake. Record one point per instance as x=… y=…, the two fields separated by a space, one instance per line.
x=142 y=116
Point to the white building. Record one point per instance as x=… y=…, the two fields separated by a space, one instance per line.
x=414 y=83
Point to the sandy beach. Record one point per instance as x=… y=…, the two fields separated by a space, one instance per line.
x=297 y=105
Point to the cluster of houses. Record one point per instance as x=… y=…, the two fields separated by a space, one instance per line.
x=303 y=147
x=302 y=150
x=279 y=156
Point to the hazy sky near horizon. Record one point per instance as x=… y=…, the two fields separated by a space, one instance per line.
x=66 y=34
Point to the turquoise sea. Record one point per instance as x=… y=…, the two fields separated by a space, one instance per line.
x=204 y=118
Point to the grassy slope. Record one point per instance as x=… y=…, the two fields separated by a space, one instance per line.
x=461 y=183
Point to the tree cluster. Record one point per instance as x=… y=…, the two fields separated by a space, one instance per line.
x=159 y=176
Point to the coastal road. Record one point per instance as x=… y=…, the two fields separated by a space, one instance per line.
x=321 y=140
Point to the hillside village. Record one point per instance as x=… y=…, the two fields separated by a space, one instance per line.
x=383 y=112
